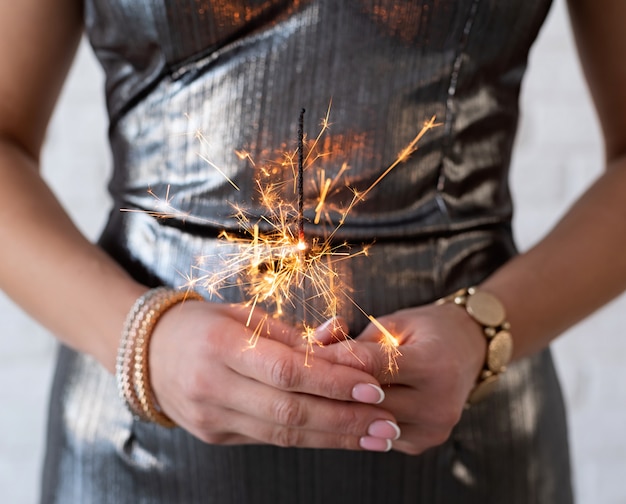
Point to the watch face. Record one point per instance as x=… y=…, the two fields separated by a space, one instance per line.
x=485 y=309
x=500 y=351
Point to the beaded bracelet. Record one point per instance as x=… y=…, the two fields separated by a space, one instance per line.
x=132 y=370
x=126 y=350
x=489 y=313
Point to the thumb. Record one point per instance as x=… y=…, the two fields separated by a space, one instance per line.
x=332 y=331
x=363 y=355
x=263 y=325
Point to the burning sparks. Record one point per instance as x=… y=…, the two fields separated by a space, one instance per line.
x=163 y=208
x=270 y=257
x=389 y=344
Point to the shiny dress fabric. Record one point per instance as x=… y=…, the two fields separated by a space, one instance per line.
x=240 y=71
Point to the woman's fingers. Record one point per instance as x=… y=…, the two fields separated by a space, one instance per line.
x=302 y=411
x=225 y=406
x=258 y=321
x=273 y=434
x=209 y=380
x=368 y=357
x=282 y=368
x=333 y=330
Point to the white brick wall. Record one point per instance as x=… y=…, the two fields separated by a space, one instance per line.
x=558 y=155
x=76 y=164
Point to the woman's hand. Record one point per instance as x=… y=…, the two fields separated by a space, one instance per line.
x=442 y=350
x=209 y=380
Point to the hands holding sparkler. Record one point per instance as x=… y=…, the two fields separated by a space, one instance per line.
x=225 y=393
x=228 y=393
x=442 y=352
x=243 y=376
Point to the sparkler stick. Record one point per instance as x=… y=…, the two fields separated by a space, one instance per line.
x=308 y=331
x=301 y=177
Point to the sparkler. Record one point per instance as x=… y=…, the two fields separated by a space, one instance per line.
x=275 y=264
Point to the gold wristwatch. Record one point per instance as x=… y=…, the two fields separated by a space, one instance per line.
x=489 y=313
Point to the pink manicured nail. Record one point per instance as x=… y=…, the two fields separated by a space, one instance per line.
x=368 y=393
x=326 y=325
x=384 y=429
x=375 y=444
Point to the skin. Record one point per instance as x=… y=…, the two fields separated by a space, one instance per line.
x=198 y=376
x=578 y=267
x=223 y=395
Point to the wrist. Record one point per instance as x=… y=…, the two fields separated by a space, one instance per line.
x=106 y=344
x=488 y=314
x=132 y=365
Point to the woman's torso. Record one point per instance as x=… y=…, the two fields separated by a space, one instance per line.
x=240 y=71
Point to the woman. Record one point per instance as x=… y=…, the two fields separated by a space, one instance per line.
x=442 y=223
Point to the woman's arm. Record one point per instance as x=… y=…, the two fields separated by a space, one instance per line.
x=200 y=375
x=579 y=266
x=46 y=265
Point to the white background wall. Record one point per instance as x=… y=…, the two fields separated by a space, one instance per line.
x=558 y=155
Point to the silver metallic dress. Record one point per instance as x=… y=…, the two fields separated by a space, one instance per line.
x=240 y=71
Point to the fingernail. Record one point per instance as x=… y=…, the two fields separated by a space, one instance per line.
x=325 y=325
x=375 y=444
x=368 y=393
x=384 y=429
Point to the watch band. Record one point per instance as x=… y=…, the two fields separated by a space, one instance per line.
x=486 y=310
